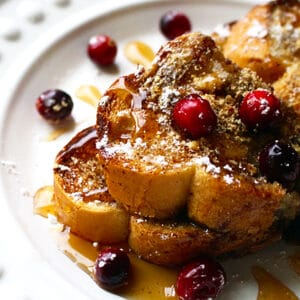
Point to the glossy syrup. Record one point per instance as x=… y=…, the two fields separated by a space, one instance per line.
x=43 y=201
x=139 y=53
x=270 y=288
x=147 y=281
x=145 y=121
x=88 y=94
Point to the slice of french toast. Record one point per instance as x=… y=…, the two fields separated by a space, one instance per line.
x=81 y=199
x=266 y=40
x=176 y=242
x=154 y=171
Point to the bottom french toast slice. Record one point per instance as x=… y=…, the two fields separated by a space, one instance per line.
x=177 y=242
x=81 y=199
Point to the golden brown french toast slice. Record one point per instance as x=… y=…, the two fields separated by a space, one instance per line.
x=266 y=40
x=177 y=242
x=82 y=201
x=154 y=171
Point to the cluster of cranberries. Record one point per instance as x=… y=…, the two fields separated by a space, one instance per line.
x=201 y=279
x=56 y=105
x=259 y=110
x=102 y=49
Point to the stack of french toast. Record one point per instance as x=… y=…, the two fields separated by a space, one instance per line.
x=133 y=177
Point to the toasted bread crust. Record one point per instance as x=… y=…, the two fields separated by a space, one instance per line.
x=155 y=171
x=177 y=242
x=142 y=154
x=81 y=198
x=234 y=203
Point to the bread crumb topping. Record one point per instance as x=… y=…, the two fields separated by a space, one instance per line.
x=191 y=65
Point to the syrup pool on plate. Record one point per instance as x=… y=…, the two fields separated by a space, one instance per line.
x=88 y=94
x=147 y=281
x=270 y=288
x=139 y=53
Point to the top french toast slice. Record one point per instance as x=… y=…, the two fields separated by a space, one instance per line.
x=81 y=199
x=266 y=40
x=154 y=171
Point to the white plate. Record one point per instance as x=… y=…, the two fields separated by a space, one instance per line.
x=58 y=60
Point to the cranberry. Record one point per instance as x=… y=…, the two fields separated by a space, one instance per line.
x=54 y=105
x=201 y=279
x=112 y=268
x=194 y=116
x=174 y=24
x=102 y=50
x=280 y=162
x=259 y=109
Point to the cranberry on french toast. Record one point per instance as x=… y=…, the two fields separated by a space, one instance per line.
x=81 y=199
x=156 y=170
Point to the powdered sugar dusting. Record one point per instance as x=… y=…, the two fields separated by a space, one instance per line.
x=257 y=30
x=222 y=30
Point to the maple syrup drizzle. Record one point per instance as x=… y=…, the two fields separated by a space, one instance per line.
x=89 y=94
x=139 y=53
x=61 y=128
x=147 y=281
x=43 y=201
x=86 y=138
x=270 y=288
x=55 y=134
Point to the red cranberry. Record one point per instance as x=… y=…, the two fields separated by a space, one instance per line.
x=259 y=109
x=201 y=279
x=174 y=24
x=54 y=105
x=102 y=50
x=280 y=162
x=194 y=116
x=112 y=268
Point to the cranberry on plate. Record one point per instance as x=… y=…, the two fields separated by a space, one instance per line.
x=201 y=279
x=280 y=162
x=259 y=109
x=194 y=116
x=174 y=23
x=112 y=268
x=102 y=50
x=54 y=105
